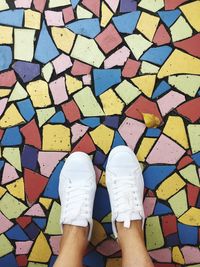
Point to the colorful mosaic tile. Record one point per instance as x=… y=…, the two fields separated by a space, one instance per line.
x=85 y=75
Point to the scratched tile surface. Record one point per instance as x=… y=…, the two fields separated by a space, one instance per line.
x=90 y=75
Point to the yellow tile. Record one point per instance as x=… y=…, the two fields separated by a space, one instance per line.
x=41 y=251
x=59 y=3
x=170 y=186
x=106 y=15
x=102 y=180
x=192 y=11
x=190 y=174
x=175 y=129
x=18 y=93
x=145 y=83
x=177 y=255
x=180 y=30
x=73 y=84
x=103 y=137
x=63 y=38
x=145 y=147
x=44 y=114
x=191 y=217
x=83 y=13
x=4 y=92
x=6 y=35
x=179 y=203
x=98 y=233
x=179 y=63
x=114 y=262
x=39 y=93
x=56 y=138
x=12 y=155
x=112 y=105
x=6 y=246
x=47 y=71
x=127 y=91
x=2 y=191
x=32 y=19
x=46 y=202
x=53 y=224
x=16 y=188
x=11 y=117
x=147 y=25
x=3 y=5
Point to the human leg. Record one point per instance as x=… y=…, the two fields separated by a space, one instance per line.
x=125 y=186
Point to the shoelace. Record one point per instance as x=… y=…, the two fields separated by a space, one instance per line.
x=77 y=202
x=126 y=198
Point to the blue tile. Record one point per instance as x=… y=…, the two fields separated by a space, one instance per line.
x=85 y=27
x=12 y=137
x=172 y=240
x=169 y=17
x=8 y=261
x=12 y=17
x=1 y=164
x=118 y=140
x=153 y=132
x=52 y=261
x=161 y=209
x=41 y=222
x=26 y=109
x=101 y=203
x=17 y=233
x=196 y=158
x=188 y=234
x=5 y=57
x=27 y=71
x=91 y=122
x=155 y=174
x=45 y=49
x=157 y=55
x=108 y=228
x=161 y=89
x=59 y=117
x=74 y=3
x=93 y=258
x=99 y=158
x=51 y=189
x=112 y=121
x=126 y=23
x=104 y=79
x=29 y=157
x=32 y=231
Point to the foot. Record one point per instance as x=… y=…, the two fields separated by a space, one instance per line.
x=125 y=187
x=77 y=186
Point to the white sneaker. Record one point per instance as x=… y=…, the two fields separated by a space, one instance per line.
x=125 y=186
x=77 y=186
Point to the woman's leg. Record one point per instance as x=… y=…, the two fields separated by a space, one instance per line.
x=72 y=247
x=131 y=240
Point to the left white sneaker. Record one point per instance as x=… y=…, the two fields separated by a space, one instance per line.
x=125 y=186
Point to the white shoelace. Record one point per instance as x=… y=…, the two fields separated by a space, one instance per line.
x=126 y=198
x=76 y=204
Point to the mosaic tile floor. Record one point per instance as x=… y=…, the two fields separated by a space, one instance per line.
x=90 y=75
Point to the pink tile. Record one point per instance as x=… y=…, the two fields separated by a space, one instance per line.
x=5 y=224
x=93 y=6
x=191 y=254
x=118 y=58
x=58 y=90
x=87 y=79
x=98 y=173
x=108 y=247
x=55 y=244
x=113 y=4
x=9 y=174
x=78 y=130
x=39 y=5
x=109 y=39
x=161 y=255
x=54 y=18
x=48 y=161
x=23 y=3
x=3 y=103
x=23 y=247
x=62 y=63
x=149 y=204
x=131 y=130
x=165 y=151
x=68 y=14
x=170 y=101
x=35 y=210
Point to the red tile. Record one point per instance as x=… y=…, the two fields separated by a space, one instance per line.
x=143 y=105
x=24 y=221
x=22 y=260
x=169 y=224
x=131 y=68
x=32 y=134
x=166 y=265
x=71 y=111
x=8 y=78
x=184 y=161
x=93 y=6
x=190 y=109
x=1 y=133
x=80 y=68
x=34 y=185
x=192 y=194
x=39 y=5
x=161 y=36
x=68 y=14
x=190 y=45
x=85 y=145
x=172 y=4
x=109 y=39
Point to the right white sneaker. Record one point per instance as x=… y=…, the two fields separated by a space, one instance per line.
x=125 y=186
x=77 y=186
